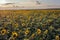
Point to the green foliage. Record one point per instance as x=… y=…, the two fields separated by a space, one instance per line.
x=30 y=25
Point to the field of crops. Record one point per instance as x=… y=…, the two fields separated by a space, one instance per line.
x=29 y=24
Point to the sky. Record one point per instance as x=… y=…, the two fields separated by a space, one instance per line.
x=48 y=2
x=52 y=2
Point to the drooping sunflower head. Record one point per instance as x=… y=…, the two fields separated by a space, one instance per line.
x=14 y=34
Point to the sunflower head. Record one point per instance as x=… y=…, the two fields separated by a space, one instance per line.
x=32 y=36
x=57 y=37
x=38 y=31
x=15 y=25
x=46 y=31
x=14 y=34
x=26 y=32
x=3 y=31
x=23 y=24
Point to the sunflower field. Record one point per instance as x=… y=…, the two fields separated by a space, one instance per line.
x=29 y=24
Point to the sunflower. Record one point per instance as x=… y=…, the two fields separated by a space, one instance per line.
x=57 y=37
x=23 y=24
x=26 y=32
x=14 y=34
x=38 y=31
x=3 y=31
x=32 y=36
x=15 y=25
x=46 y=31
